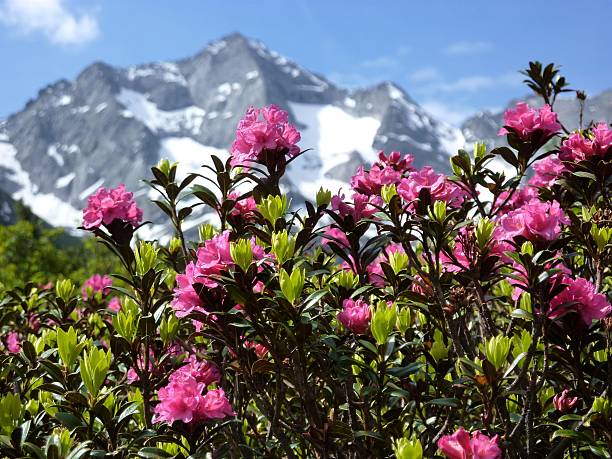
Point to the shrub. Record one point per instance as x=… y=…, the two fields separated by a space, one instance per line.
x=463 y=316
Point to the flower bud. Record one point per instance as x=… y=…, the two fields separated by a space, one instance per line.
x=323 y=197
x=387 y=192
x=174 y=245
x=484 y=230
x=383 y=321
x=292 y=284
x=64 y=289
x=273 y=207
x=439 y=211
x=242 y=253
x=404 y=319
x=496 y=350
x=480 y=149
x=206 y=232
x=345 y=278
x=283 y=246
x=563 y=402
x=146 y=257
x=408 y=448
x=527 y=248
x=398 y=260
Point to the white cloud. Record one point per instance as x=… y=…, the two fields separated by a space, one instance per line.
x=468 y=47
x=475 y=83
x=452 y=114
x=425 y=74
x=50 y=18
x=381 y=62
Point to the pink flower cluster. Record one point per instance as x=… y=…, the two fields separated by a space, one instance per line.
x=262 y=129
x=577 y=147
x=213 y=259
x=563 y=402
x=355 y=316
x=461 y=445
x=535 y=220
x=243 y=207
x=375 y=272
x=438 y=185
x=582 y=297
x=388 y=170
x=466 y=252
x=187 y=399
x=363 y=206
x=13 y=343
x=95 y=284
x=547 y=171
x=525 y=122
x=104 y=206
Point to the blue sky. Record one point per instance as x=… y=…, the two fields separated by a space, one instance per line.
x=453 y=57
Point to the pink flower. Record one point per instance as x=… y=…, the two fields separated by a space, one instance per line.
x=186 y=398
x=260 y=350
x=375 y=272
x=461 y=446
x=95 y=284
x=186 y=299
x=582 y=298
x=335 y=235
x=371 y=182
x=114 y=304
x=202 y=371
x=399 y=162
x=438 y=185
x=215 y=405
x=363 y=206
x=355 y=316
x=13 y=343
x=520 y=197
x=107 y=205
x=525 y=122
x=547 y=171
x=467 y=252
x=213 y=259
x=243 y=207
x=578 y=147
x=263 y=129
x=535 y=221
x=563 y=402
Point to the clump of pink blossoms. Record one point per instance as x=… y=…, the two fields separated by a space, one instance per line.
x=355 y=316
x=461 y=445
x=535 y=221
x=589 y=304
x=438 y=185
x=547 y=171
x=563 y=402
x=375 y=272
x=578 y=147
x=105 y=206
x=388 y=170
x=13 y=343
x=186 y=398
x=213 y=259
x=95 y=284
x=362 y=206
x=114 y=304
x=526 y=122
x=262 y=129
x=243 y=207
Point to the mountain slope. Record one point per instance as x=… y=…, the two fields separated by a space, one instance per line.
x=110 y=124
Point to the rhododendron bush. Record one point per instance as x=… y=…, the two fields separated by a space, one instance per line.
x=414 y=314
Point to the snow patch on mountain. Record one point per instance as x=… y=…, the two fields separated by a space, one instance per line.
x=45 y=205
x=140 y=107
x=334 y=135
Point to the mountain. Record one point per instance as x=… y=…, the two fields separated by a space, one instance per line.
x=484 y=125
x=111 y=124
